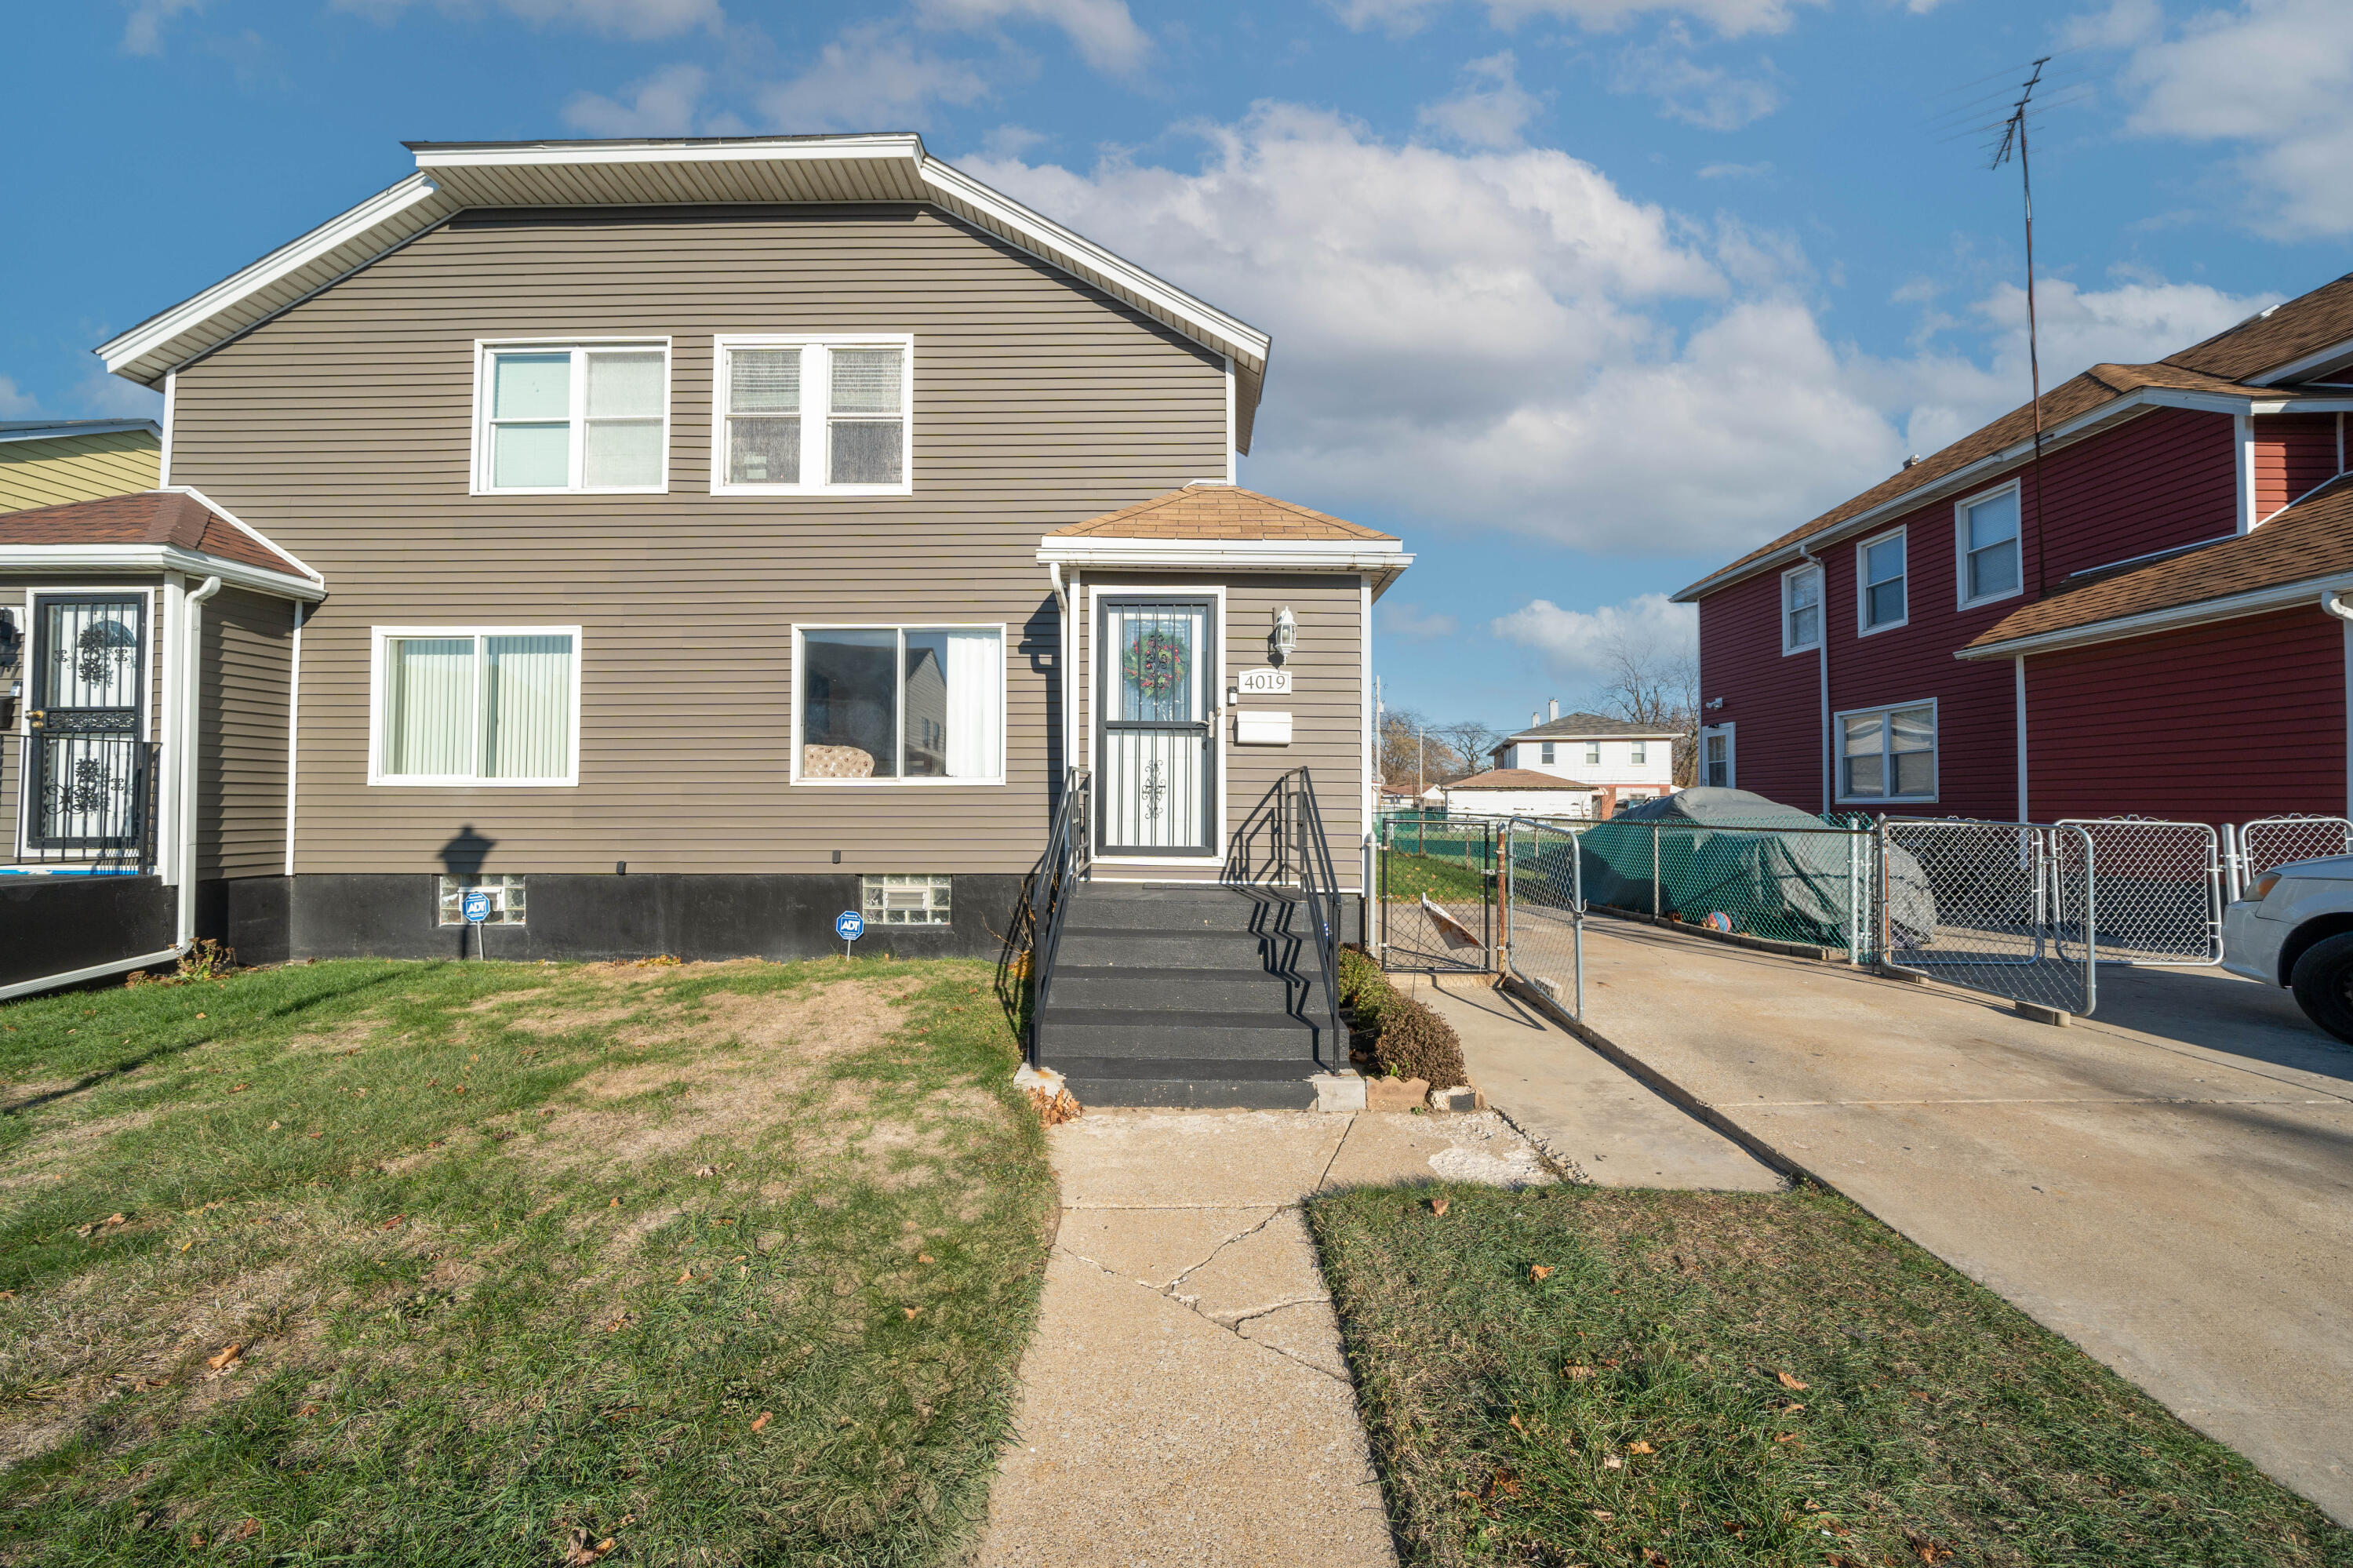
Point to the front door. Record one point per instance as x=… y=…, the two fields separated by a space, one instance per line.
x=85 y=757
x=1157 y=774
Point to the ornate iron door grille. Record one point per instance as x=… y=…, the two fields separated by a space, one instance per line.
x=84 y=760
x=1155 y=764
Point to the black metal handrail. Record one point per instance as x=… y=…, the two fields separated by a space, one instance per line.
x=1301 y=821
x=90 y=803
x=1064 y=866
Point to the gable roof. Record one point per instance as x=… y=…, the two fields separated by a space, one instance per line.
x=454 y=175
x=1588 y=726
x=1219 y=512
x=66 y=430
x=2286 y=561
x=1519 y=778
x=167 y=519
x=2234 y=364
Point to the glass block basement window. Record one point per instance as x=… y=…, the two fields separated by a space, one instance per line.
x=895 y=900
x=506 y=899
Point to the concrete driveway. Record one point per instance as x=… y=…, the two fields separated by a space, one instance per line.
x=2169 y=1183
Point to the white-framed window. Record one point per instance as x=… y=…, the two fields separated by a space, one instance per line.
x=474 y=706
x=1592 y=752
x=552 y=416
x=1642 y=755
x=1547 y=751
x=1716 y=770
x=1882 y=601
x=899 y=705
x=799 y=415
x=1988 y=559
x=1801 y=609
x=1888 y=754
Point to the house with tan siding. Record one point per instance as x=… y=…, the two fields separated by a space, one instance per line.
x=683 y=543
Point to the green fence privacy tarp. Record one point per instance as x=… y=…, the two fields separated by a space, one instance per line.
x=1718 y=853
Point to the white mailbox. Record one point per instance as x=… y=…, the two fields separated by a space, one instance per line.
x=1261 y=729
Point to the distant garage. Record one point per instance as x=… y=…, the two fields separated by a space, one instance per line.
x=1519 y=792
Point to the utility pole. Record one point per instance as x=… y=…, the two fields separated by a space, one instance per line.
x=2014 y=133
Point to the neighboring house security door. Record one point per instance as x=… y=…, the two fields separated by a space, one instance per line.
x=83 y=753
x=1158 y=770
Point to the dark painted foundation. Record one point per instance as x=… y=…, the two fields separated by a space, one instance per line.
x=55 y=924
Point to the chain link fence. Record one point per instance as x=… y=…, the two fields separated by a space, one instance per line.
x=2271 y=841
x=1433 y=895
x=2160 y=890
x=2002 y=907
x=1544 y=912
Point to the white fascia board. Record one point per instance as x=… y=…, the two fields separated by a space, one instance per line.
x=156 y=559
x=2287 y=596
x=383 y=208
x=2087 y=423
x=249 y=530
x=1043 y=236
x=745 y=150
x=83 y=428
x=1245 y=555
x=2318 y=359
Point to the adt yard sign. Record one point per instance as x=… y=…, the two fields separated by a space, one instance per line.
x=850 y=925
x=476 y=907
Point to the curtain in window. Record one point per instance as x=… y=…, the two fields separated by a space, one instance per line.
x=763 y=416
x=1913 y=746
x=1993 y=547
x=623 y=447
x=526 y=706
x=428 y=707
x=976 y=716
x=865 y=391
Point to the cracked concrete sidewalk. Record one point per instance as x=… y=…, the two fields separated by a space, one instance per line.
x=1186 y=1399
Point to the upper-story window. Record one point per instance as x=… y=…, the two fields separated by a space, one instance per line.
x=1987 y=530
x=1547 y=752
x=1881 y=579
x=1802 y=610
x=813 y=415
x=573 y=417
x=1639 y=754
x=1592 y=752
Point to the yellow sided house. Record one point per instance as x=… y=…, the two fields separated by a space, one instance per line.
x=590 y=549
x=46 y=462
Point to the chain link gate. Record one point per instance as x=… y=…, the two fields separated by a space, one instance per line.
x=2161 y=891
x=2270 y=841
x=1433 y=904
x=1544 y=912
x=2003 y=907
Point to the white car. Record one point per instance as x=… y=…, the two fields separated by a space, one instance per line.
x=2294 y=929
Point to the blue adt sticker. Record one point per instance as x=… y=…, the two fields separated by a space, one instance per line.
x=850 y=925
x=476 y=907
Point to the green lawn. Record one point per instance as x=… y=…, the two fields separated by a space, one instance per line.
x=721 y=1263
x=1409 y=877
x=1578 y=1376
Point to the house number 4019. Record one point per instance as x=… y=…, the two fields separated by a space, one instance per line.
x=1265 y=683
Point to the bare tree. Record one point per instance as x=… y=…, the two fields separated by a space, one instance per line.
x=1647 y=683
x=1471 y=741
x=1415 y=753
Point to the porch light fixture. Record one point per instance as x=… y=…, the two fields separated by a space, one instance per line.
x=1285 y=638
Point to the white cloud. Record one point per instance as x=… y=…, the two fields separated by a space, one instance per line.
x=1414 y=624
x=1732 y=18
x=620 y=18
x=870 y=79
x=2273 y=77
x=1011 y=141
x=1734 y=171
x=663 y=106
x=1491 y=108
x=143 y=34
x=1102 y=31
x=1710 y=97
x=103 y=396
x=1578 y=644
x=16 y=404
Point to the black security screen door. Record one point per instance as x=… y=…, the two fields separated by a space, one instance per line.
x=84 y=754
x=1157 y=774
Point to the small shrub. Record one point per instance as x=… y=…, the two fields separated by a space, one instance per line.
x=1358 y=970
x=1415 y=1043
x=207 y=960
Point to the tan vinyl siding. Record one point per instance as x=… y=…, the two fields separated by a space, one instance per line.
x=52 y=471
x=1326 y=703
x=342 y=431
x=241 y=768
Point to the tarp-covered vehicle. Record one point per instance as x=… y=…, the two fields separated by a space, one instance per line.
x=1734 y=854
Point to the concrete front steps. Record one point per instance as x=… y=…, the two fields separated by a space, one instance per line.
x=1188 y=996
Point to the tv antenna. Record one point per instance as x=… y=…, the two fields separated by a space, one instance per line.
x=2013 y=139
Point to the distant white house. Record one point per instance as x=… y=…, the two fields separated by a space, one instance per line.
x=1620 y=762
x=1519 y=792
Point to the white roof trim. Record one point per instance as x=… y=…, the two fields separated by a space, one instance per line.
x=249 y=530
x=68 y=429
x=719 y=150
x=2327 y=358
x=2287 y=596
x=1245 y=555
x=156 y=559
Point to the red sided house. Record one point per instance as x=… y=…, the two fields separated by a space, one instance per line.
x=2146 y=619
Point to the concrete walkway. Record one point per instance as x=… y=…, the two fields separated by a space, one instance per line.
x=1185 y=1401
x=2170 y=1183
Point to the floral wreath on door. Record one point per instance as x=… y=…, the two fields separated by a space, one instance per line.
x=1153 y=664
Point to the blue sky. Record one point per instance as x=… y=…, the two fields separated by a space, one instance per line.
x=1581 y=297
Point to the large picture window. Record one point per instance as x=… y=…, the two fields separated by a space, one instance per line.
x=1802 y=610
x=1880 y=576
x=573 y=417
x=813 y=415
x=1888 y=754
x=1988 y=527
x=899 y=703
x=476 y=706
